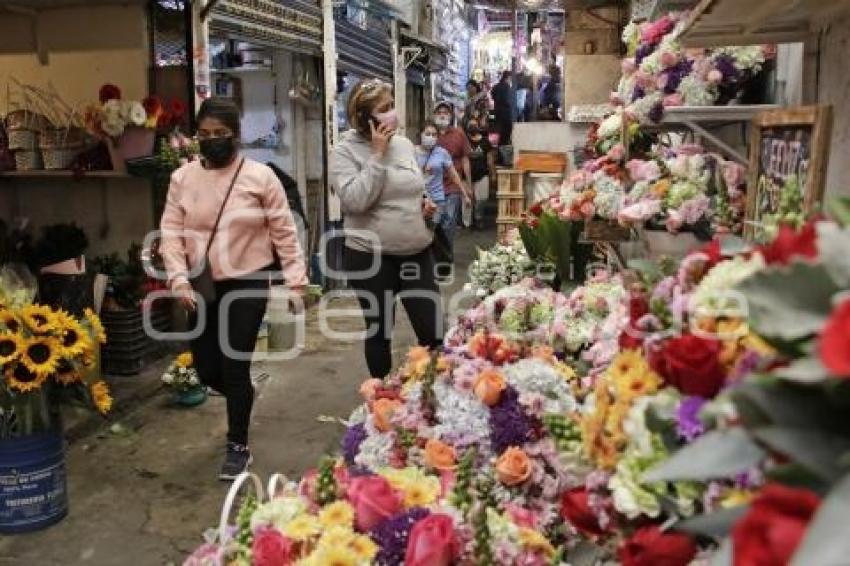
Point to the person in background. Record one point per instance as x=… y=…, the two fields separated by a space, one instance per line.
x=524 y=96
x=256 y=223
x=503 y=105
x=477 y=104
x=483 y=165
x=387 y=247
x=437 y=165
x=454 y=140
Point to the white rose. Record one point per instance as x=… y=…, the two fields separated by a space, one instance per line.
x=137 y=114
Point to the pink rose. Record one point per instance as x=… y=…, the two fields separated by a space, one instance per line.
x=271 y=548
x=373 y=500
x=588 y=209
x=628 y=65
x=674 y=99
x=668 y=59
x=662 y=81
x=640 y=170
x=432 y=542
x=617 y=153
x=521 y=516
x=714 y=76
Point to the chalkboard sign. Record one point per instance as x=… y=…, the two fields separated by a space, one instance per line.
x=787 y=143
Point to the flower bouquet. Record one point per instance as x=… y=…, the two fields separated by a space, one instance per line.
x=183 y=378
x=500 y=266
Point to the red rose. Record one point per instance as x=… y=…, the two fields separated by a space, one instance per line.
x=711 y=252
x=770 y=532
x=152 y=105
x=691 y=364
x=271 y=548
x=536 y=209
x=432 y=542
x=790 y=244
x=373 y=499
x=577 y=512
x=109 y=92
x=177 y=109
x=650 y=547
x=165 y=120
x=834 y=344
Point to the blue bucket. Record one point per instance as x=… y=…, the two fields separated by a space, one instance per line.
x=33 y=495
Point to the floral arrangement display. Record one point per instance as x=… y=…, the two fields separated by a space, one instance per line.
x=113 y=114
x=177 y=149
x=181 y=374
x=658 y=72
x=500 y=266
x=692 y=415
x=44 y=350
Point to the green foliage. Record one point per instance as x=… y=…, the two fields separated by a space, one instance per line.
x=244 y=534
x=557 y=242
x=462 y=492
x=326 y=487
x=126 y=277
x=716 y=455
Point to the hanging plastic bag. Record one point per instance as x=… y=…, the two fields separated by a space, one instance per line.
x=18 y=286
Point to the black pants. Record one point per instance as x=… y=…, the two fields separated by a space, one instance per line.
x=237 y=326
x=412 y=277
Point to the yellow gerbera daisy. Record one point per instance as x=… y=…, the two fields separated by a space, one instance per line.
x=533 y=540
x=75 y=339
x=41 y=355
x=421 y=494
x=335 y=537
x=364 y=548
x=338 y=514
x=10 y=321
x=338 y=556
x=101 y=397
x=40 y=319
x=626 y=362
x=96 y=325
x=184 y=360
x=21 y=379
x=303 y=528
x=11 y=346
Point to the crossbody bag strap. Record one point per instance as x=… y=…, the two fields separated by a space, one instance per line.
x=223 y=204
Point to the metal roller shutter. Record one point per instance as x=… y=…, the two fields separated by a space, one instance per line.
x=295 y=25
x=364 y=50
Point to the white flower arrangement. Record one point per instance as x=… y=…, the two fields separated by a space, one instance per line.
x=499 y=267
x=181 y=375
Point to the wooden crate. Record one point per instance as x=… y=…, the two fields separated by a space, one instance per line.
x=511 y=207
x=511 y=183
x=542 y=162
x=503 y=226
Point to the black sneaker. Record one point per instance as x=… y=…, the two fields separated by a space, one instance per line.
x=236 y=461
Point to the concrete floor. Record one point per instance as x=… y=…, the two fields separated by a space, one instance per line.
x=144 y=493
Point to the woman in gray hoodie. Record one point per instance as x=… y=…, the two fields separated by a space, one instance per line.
x=383 y=197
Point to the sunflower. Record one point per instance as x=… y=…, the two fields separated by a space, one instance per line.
x=21 y=379
x=41 y=355
x=40 y=319
x=10 y=321
x=101 y=397
x=67 y=374
x=75 y=339
x=11 y=346
x=96 y=325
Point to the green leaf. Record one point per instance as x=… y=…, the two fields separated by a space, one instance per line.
x=789 y=303
x=815 y=449
x=839 y=210
x=531 y=240
x=793 y=406
x=648 y=269
x=826 y=540
x=804 y=370
x=796 y=475
x=715 y=525
x=833 y=243
x=716 y=455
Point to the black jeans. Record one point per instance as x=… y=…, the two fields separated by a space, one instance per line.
x=237 y=326
x=411 y=277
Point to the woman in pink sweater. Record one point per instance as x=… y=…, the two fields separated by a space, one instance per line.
x=255 y=230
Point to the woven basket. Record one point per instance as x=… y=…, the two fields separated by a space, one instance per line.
x=596 y=230
x=28 y=160
x=26 y=140
x=26 y=120
x=59 y=157
x=61 y=138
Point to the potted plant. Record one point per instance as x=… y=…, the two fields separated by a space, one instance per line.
x=183 y=378
x=46 y=357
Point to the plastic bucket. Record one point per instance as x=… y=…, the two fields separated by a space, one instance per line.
x=33 y=495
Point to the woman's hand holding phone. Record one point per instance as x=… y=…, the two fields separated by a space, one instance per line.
x=381 y=135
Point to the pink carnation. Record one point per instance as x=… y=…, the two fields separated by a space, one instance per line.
x=674 y=99
x=668 y=59
x=714 y=76
x=640 y=170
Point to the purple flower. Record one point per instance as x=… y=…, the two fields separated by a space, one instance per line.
x=391 y=536
x=354 y=436
x=643 y=51
x=726 y=65
x=656 y=112
x=638 y=93
x=509 y=425
x=688 y=425
x=676 y=74
x=749 y=362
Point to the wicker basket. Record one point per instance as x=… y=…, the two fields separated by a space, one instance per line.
x=28 y=160
x=19 y=139
x=59 y=157
x=597 y=230
x=26 y=120
x=61 y=138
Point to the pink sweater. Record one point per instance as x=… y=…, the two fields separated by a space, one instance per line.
x=255 y=221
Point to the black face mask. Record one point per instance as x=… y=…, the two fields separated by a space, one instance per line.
x=474 y=132
x=218 y=152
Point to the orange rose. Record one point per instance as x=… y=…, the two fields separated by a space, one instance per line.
x=489 y=387
x=440 y=455
x=418 y=353
x=513 y=467
x=369 y=387
x=382 y=413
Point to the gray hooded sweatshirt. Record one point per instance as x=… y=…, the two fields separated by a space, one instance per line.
x=380 y=197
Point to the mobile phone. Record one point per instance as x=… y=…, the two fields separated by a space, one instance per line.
x=366 y=118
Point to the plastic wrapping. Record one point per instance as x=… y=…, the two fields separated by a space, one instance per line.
x=18 y=286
